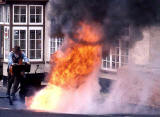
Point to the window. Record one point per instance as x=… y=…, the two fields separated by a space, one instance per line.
x=105 y=85
x=35 y=43
x=36 y=14
x=7 y=14
x=6 y=42
x=20 y=14
x=55 y=43
x=1 y=13
x=20 y=37
x=4 y=14
x=117 y=56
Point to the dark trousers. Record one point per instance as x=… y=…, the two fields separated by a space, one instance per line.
x=14 y=80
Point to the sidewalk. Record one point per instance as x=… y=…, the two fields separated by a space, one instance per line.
x=4 y=102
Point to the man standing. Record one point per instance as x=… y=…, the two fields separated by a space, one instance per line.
x=15 y=57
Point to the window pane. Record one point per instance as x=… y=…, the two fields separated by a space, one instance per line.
x=108 y=64
x=32 y=54
x=23 y=18
x=22 y=34
x=16 y=42
x=32 y=18
x=32 y=34
x=16 y=18
x=24 y=51
x=1 y=14
x=7 y=47
x=6 y=42
x=58 y=44
x=32 y=44
x=53 y=50
x=7 y=14
x=104 y=64
x=32 y=9
x=38 y=18
x=38 y=44
x=113 y=65
x=113 y=58
x=53 y=44
x=16 y=34
x=38 y=10
x=38 y=54
x=38 y=34
x=16 y=10
x=23 y=9
x=119 y=55
x=117 y=58
x=108 y=58
x=23 y=44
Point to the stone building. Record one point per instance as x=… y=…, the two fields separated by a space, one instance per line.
x=25 y=23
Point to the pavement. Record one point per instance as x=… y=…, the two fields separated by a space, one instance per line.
x=18 y=110
x=26 y=113
x=4 y=101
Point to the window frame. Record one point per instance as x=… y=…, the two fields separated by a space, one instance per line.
x=110 y=68
x=41 y=23
x=1 y=22
x=20 y=28
x=8 y=29
x=4 y=13
x=35 y=28
x=20 y=23
x=56 y=47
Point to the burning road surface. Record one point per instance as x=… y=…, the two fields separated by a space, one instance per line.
x=71 y=68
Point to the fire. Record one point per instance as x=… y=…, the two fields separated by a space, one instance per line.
x=71 y=68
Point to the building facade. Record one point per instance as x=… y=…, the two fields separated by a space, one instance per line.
x=22 y=23
x=25 y=23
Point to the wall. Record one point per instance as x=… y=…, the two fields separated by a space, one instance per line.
x=42 y=67
x=47 y=33
x=139 y=52
x=155 y=46
x=47 y=38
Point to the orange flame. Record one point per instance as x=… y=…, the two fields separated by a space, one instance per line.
x=71 y=68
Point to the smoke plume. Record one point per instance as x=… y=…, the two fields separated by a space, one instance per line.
x=132 y=89
x=113 y=15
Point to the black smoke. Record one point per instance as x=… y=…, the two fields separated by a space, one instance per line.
x=113 y=15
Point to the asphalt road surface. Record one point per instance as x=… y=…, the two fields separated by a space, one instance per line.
x=18 y=110
x=25 y=113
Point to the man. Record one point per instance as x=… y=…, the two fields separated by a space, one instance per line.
x=15 y=57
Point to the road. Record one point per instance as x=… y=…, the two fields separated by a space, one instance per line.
x=18 y=110
x=4 y=102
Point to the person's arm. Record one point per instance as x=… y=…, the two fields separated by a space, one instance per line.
x=25 y=57
x=10 y=61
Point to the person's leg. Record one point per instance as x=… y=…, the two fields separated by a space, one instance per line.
x=15 y=86
x=10 y=82
x=22 y=88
